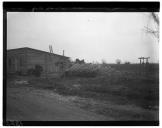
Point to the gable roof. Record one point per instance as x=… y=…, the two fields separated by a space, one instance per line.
x=23 y=48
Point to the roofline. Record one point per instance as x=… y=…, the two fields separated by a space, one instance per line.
x=36 y=50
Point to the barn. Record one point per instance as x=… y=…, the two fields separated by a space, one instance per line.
x=21 y=60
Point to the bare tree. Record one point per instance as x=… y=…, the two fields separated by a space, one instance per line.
x=155 y=17
x=154 y=31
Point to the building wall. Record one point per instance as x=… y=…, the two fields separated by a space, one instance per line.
x=22 y=60
x=16 y=61
x=48 y=62
x=35 y=58
x=56 y=63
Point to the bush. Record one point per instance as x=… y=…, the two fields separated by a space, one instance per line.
x=38 y=70
x=127 y=62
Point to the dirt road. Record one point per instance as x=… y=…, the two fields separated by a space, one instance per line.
x=29 y=104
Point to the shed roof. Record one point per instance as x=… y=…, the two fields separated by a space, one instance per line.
x=23 y=48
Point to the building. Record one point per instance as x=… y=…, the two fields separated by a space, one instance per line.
x=21 y=60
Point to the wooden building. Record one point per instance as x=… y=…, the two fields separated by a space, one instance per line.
x=22 y=59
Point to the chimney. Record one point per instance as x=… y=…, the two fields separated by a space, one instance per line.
x=63 y=52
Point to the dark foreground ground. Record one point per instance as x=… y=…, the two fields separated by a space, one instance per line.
x=28 y=104
x=130 y=96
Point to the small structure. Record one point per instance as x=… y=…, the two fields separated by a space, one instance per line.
x=23 y=59
x=147 y=62
x=142 y=60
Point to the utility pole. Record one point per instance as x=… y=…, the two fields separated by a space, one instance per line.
x=143 y=64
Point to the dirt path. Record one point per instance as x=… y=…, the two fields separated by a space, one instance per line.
x=29 y=104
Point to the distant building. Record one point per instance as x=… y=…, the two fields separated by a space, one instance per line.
x=23 y=59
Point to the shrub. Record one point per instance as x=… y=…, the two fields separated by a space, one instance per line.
x=38 y=70
x=35 y=71
x=127 y=62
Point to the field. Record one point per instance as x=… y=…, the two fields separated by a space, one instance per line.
x=128 y=92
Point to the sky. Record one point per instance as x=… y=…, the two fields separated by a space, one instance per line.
x=92 y=36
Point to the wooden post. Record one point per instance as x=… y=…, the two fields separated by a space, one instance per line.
x=140 y=58
x=147 y=58
x=143 y=60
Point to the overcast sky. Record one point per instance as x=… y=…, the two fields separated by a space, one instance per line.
x=90 y=36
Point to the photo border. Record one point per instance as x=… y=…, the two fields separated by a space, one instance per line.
x=70 y=7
